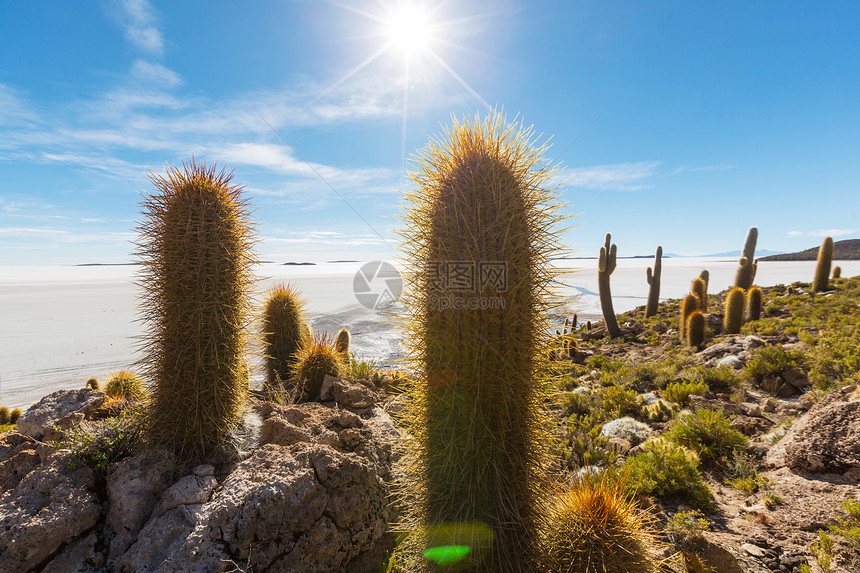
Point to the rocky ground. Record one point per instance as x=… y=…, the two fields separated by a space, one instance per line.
x=307 y=487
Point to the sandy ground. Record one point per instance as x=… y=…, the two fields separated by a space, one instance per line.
x=61 y=325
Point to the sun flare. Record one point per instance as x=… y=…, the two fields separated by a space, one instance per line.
x=409 y=28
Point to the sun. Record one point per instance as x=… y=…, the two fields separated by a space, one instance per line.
x=409 y=28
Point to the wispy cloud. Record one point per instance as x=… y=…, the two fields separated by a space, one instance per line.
x=824 y=233
x=138 y=20
x=614 y=177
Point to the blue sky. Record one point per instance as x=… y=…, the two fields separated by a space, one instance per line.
x=678 y=123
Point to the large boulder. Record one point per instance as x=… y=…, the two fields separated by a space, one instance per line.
x=826 y=438
x=303 y=507
x=58 y=411
x=48 y=509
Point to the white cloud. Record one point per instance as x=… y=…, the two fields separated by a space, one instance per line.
x=824 y=233
x=155 y=74
x=138 y=19
x=614 y=177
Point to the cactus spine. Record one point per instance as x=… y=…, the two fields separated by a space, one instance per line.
x=734 y=315
x=477 y=426
x=654 y=280
x=689 y=304
x=196 y=254
x=605 y=267
x=746 y=265
x=754 y=303
x=822 y=269
x=284 y=330
x=696 y=329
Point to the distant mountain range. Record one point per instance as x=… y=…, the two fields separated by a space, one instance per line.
x=759 y=254
x=847 y=250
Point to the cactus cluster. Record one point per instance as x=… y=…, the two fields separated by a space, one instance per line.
x=605 y=268
x=476 y=467
x=653 y=278
x=566 y=339
x=196 y=252
x=822 y=267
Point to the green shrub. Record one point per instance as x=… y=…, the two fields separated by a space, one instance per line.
x=360 y=369
x=849 y=527
x=617 y=402
x=604 y=363
x=686 y=526
x=664 y=469
x=97 y=444
x=708 y=433
x=770 y=361
x=627 y=428
x=833 y=361
x=680 y=392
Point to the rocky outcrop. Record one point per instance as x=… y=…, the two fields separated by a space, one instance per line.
x=61 y=410
x=49 y=508
x=304 y=507
x=826 y=438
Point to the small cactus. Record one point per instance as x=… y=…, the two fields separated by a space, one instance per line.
x=837 y=272
x=696 y=329
x=4 y=416
x=341 y=343
x=746 y=266
x=689 y=304
x=284 y=328
x=700 y=289
x=653 y=278
x=705 y=276
x=822 y=269
x=734 y=315
x=124 y=384
x=93 y=383
x=605 y=267
x=754 y=303
x=316 y=358
x=14 y=415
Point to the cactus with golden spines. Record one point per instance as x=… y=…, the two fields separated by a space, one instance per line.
x=196 y=274
x=695 y=329
x=700 y=289
x=754 y=301
x=341 y=343
x=747 y=264
x=284 y=329
x=822 y=268
x=733 y=318
x=478 y=455
x=653 y=278
x=689 y=304
x=605 y=268
x=837 y=272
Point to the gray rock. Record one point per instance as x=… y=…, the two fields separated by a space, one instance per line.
x=730 y=360
x=752 y=342
x=189 y=490
x=302 y=507
x=347 y=393
x=62 y=409
x=824 y=439
x=750 y=409
x=729 y=346
x=50 y=508
x=133 y=487
x=648 y=398
x=797 y=378
x=753 y=550
x=79 y=557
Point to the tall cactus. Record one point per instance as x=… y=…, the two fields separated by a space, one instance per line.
x=700 y=289
x=482 y=211
x=754 y=301
x=747 y=263
x=605 y=267
x=196 y=254
x=822 y=268
x=695 y=329
x=284 y=329
x=654 y=280
x=734 y=315
x=689 y=305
